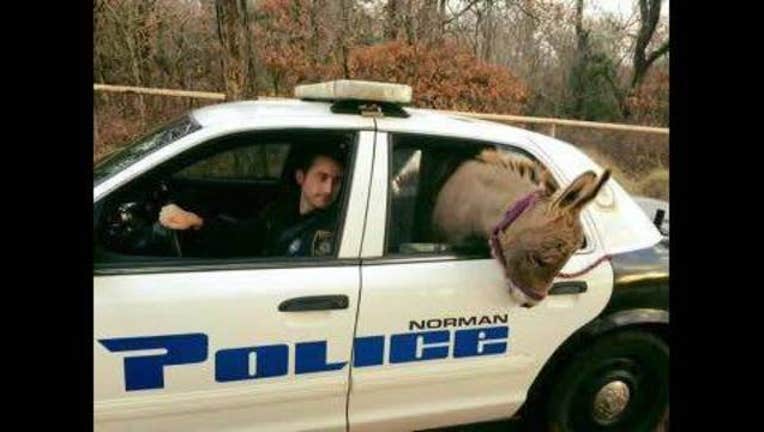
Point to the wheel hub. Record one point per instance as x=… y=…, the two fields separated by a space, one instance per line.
x=610 y=401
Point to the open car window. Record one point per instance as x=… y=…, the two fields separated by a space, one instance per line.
x=419 y=167
x=243 y=187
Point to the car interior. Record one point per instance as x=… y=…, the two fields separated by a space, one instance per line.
x=433 y=160
x=420 y=167
x=230 y=179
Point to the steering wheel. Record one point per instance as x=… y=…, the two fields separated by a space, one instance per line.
x=128 y=226
x=163 y=196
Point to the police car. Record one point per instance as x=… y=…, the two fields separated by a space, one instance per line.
x=389 y=331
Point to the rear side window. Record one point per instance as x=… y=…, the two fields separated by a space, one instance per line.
x=419 y=167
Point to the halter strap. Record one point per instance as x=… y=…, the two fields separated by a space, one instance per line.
x=585 y=270
x=512 y=213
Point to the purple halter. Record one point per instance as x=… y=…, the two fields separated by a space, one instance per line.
x=510 y=216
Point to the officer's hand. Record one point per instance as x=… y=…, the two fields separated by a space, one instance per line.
x=173 y=217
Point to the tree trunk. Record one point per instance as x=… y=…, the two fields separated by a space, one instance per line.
x=577 y=84
x=344 y=35
x=236 y=60
x=488 y=31
x=649 y=14
x=392 y=22
x=128 y=28
x=248 y=33
x=429 y=21
x=409 y=23
x=476 y=33
x=135 y=67
x=315 y=32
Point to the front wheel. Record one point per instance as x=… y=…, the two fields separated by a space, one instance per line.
x=618 y=383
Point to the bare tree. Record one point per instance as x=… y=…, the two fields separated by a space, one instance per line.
x=649 y=13
x=578 y=80
x=132 y=24
x=234 y=34
x=344 y=36
x=570 y=60
x=392 y=19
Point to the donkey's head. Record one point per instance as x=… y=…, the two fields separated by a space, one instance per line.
x=538 y=243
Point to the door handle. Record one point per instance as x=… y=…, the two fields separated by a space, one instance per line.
x=314 y=303
x=574 y=287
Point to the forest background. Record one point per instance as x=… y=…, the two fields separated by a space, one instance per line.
x=572 y=59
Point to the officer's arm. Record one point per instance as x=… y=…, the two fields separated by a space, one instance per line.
x=174 y=217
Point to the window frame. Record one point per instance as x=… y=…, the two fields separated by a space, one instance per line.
x=161 y=133
x=138 y=264
x=455 y=255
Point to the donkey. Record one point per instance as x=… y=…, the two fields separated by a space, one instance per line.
x=541 y=227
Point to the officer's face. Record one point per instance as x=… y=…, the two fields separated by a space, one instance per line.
x=321 y=184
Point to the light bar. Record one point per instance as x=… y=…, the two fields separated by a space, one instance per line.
x=355 y=90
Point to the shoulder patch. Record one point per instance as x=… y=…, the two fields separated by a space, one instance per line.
x=322 y=243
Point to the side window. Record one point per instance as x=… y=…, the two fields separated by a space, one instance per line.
x=419 y=167
x=246 y=194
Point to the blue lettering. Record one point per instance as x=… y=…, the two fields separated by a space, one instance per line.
x=311 y=357
x=147 y=372
x=475 y=342
x=369 y=351
x=251 y=362
x=408 y=347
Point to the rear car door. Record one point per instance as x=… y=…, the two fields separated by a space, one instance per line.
x=439 y=340
x=252 y=343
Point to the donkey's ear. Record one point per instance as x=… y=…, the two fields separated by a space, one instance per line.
x=592 y=192
x=581 y=191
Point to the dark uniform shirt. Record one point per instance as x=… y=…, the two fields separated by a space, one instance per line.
x=280 y=230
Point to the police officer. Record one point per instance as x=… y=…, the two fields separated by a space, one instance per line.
x=302 y=224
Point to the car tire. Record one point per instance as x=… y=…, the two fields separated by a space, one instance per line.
x=617 y=383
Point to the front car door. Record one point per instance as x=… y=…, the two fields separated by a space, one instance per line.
x=456 y=347
x=215 y=344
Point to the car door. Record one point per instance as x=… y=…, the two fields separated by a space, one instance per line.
x=454 y=347
x=231 y=344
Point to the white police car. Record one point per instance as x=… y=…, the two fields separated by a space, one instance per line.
x=388 y=331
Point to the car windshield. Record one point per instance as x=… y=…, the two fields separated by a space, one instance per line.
x=140 y=148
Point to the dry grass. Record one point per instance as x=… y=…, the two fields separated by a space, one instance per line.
x=653 y=183
x=656 y=184
x=638 y=161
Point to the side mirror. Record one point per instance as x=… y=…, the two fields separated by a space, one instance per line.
x=660 y=215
